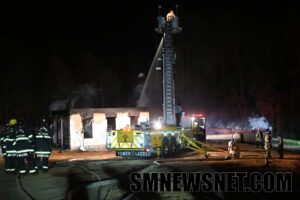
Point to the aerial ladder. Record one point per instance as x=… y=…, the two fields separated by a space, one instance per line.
x=168 y=28
x=165 y=138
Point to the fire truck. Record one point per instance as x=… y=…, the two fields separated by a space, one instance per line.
x=155 y=139
x=162 y=137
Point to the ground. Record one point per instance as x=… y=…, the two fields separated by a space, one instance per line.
x=102 y=175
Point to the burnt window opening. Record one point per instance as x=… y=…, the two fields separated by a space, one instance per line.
x=133 y=120
x=111 y=122
x=87 y=125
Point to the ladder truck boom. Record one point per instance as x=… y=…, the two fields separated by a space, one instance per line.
x=168 y=28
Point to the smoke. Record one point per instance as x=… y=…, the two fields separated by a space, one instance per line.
x=224 y=121
x=83 y=96
x=229 y=125
x=59 y=105
x=259 y=122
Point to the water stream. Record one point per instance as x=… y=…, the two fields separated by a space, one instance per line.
x=143 y=99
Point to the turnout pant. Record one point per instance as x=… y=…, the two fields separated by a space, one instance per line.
x=259 y=144
x=268 y=154
x=21 y=164
x=4 y=156
x=29 y=161
x=42 y=160
x=10 y=163
x=280 y=152
x=178 y=117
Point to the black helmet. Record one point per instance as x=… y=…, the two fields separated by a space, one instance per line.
x=43 y=121
x=6 y=123
x=20 y=122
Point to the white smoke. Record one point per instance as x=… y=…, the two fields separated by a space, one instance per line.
x=83 y=96
x=84 y=90
x=58 y=105
x=259 y=122
x=229 y=125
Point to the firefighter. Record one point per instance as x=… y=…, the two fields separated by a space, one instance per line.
x=24 y=149
x=2 y=136
x=268 y=145
x=233 y=148
x=170 y=15
x=258 y=138
x=43 y=146
x=10 y=146
x=178 y=112
x=280 y=147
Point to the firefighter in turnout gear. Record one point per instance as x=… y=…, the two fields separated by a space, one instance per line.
x=280 y=147
x=2 y=136
x=43 y=146
x=178 y=113
x=24 y=149
x=258 y=138
x=268 y=145
x=9 y=142
x=233 y=149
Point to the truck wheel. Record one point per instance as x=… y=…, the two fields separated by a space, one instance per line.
x=165 y=150
x=173 y=147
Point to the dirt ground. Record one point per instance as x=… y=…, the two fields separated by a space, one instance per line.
x=72 y=174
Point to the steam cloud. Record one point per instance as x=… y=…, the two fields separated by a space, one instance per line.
x=259 y=122
x=248 y=123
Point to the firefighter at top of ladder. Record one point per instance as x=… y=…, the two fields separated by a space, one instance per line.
x=170 y=15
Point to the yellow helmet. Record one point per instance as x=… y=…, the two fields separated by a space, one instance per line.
x=12 y=122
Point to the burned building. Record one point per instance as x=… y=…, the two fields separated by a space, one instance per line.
x=86 y=129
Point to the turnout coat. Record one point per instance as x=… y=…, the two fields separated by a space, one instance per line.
x=43 y=145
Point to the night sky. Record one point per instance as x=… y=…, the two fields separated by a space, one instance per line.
x=234 y=60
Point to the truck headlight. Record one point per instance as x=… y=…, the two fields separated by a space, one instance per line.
x=157 y=125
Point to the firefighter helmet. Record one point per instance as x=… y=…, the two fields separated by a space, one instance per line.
x=43 y=121
x=12 y=122
x=20 y=122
